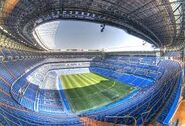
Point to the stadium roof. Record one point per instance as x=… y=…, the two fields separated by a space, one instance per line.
x=160 y=22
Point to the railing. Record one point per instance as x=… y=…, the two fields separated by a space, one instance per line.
x=123 y=118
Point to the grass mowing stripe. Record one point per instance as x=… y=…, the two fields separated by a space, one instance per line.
x=88 y=95
x=90 y=90
x=97 y=76
x=93 y=98
x=103 y=85
x=73 y=81
x=79 y=80
x=96 y=88
x=108 y=88
x=88 y=87
x=91 y=79
x=90 y=75
x=105 y=90
x=74 y=93
x=81 y=92
x=77 y=95
x=66 y=82
x=117 y=85
x=98 y=92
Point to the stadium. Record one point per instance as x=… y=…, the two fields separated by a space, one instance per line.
x=45 y=79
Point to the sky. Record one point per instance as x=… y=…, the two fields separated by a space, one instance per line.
x=86 y=35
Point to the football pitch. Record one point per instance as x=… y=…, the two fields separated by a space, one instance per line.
x=89 y=90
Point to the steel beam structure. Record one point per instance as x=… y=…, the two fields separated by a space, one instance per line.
x=160 y=22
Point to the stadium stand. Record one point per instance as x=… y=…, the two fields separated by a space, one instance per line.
x=32 y=92
x=156 y=84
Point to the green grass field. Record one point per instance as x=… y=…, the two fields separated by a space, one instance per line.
x=90 y=90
